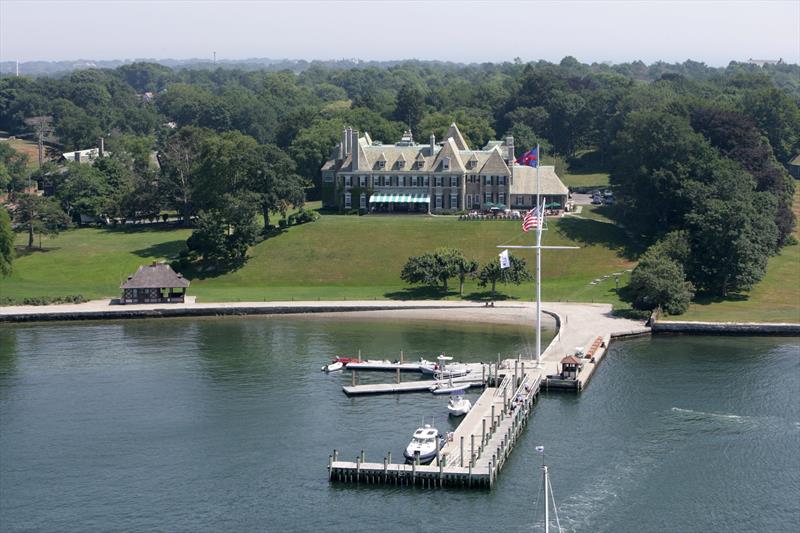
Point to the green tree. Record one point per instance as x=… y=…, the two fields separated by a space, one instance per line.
x=276 y=183
x=6 y=243
x=659 y=281
x=492 y=274
x=180 y=159
x=36 y=214
x=435 y=268
x=223 y=234
x=410 y=107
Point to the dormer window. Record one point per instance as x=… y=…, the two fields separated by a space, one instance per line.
x=401 y=163
x=380 y=164
x=446 y=163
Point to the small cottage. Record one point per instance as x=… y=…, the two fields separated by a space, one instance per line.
x=154 y=284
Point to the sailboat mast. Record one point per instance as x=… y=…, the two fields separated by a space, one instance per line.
x=546 y=502
x=539 y=214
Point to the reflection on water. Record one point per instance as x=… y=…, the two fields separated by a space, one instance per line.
x=220 y=424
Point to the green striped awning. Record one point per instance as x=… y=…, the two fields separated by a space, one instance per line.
x=398 y=198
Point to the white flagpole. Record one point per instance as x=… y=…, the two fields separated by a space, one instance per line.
x=540 y=214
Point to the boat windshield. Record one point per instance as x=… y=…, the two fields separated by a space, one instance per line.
x=422 y=440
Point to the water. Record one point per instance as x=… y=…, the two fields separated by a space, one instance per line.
x=227 y=424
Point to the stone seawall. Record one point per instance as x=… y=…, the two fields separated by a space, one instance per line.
x=726 y=328
x=167 y=312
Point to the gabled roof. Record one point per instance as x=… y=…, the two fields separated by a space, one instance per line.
x=795 y=161
x=449 y=149
x=381 y=158
x=455 y=134
x=494 y=164
x=157 y=276
x=571 y=360
x=525 y=181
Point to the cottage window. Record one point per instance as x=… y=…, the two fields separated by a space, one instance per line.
x=347 y=200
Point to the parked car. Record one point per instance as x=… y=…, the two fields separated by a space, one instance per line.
x=608 y=193
x=609 y=200
x=597 y=200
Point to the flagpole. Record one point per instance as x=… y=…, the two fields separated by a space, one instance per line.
x=540 y=214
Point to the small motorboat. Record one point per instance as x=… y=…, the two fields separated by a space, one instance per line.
x=339 y=363
x=443 y=369
x=458 y=405
x=424 y=445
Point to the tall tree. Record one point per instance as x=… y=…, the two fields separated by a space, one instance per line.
x=180 y=159
x=6 y=243
x=36 y=214
x=492 y=274
x=276 y=183
x=410 y=107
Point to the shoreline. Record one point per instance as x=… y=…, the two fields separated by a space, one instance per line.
x=514 y=313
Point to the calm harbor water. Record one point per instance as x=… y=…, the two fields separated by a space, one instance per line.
x=227 y=424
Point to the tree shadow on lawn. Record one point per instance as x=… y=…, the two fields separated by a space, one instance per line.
x=144 y=228
x=419 y=293
x=22 y=251
x=486 y=296
x=169 y=249
x=708 y=299
x=592 y=232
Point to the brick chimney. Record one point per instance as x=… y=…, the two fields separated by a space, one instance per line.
x=510 y=147
x=354 y=147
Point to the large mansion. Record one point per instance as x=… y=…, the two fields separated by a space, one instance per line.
x=406 y=176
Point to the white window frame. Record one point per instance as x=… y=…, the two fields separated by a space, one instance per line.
x=487 y=197
x=363 y=201
x=438 y=201
x=469 y=201
x=446 y=163
x=348 y=181
x=453 y=201
x=488 y=180
x=362 y=181
x=454 y=181
x=501 y=198
x=348 y=200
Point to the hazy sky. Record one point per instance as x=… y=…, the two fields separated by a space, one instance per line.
x=618 y=31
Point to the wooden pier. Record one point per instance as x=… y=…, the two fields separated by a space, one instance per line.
x=474 y=454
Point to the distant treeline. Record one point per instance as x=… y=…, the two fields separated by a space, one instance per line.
x=682 y=142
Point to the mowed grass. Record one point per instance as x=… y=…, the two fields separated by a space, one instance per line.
x=775 y=299
x=597 y=180
x=337 y=257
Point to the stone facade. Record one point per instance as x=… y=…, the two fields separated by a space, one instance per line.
x=363 y=174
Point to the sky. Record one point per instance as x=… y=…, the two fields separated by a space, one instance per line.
x=714 y=32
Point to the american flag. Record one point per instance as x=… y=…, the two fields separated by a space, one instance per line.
x=531 y=220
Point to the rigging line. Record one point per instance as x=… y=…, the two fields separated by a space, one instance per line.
x=555 y=508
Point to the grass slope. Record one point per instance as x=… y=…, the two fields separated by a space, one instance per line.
x=337 y=257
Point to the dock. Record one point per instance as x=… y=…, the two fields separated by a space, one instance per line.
x=473 y=455
x=476 y=452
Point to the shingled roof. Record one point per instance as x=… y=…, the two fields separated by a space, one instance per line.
x=157 y=276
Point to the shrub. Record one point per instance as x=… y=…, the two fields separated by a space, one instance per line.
x=658 y=281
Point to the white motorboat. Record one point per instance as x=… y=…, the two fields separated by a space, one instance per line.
x=424 y=445
x=442 y=369
x=333 y=367
x=458 y=405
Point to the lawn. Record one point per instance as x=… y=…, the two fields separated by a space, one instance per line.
x=775 y=299
x=29 y=148
x=337 y=257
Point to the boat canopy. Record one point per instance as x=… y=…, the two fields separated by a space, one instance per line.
x=398 y=198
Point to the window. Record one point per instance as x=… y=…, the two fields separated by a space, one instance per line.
x=425 y=181
x=438 y=201
x=488 y=180
x=328 y=178
x=375 y=181
x=401 y=164
x=453 y=201
x=501 y=180
x=362 y=181
x=501 y=198
x=487 y=197
x=387 y=180
x=469 y=200
x=413 y=181
x=348 y=181
x=363 y=202
x=437 y=181
x=347 y=201
x=446 y=163
x=454 y=181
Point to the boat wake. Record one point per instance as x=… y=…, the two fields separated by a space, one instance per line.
x=705 y=415
x=742 y=422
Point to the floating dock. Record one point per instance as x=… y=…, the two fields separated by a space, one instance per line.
x=474 y=454
x=406 y=386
